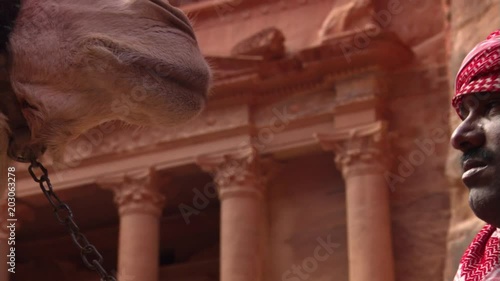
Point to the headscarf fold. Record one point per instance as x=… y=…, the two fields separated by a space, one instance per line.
x=480 y=70
x=480 y=261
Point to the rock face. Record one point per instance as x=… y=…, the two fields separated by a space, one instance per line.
x=470 y=22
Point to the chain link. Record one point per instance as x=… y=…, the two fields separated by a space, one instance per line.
x=90 y=255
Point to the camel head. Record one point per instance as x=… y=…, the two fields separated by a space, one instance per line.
x=74 y=64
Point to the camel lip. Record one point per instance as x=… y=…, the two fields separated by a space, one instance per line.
x=191 y=75
x=188 y=78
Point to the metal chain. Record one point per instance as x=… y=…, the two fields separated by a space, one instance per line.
x=90 y=256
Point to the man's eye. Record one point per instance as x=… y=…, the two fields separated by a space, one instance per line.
x=493 y=107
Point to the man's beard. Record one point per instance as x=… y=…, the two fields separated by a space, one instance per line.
x=485 y=202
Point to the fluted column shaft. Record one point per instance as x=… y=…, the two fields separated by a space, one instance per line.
x=240 y=193
x=140 y=205
x=360 y=154
x=369 y=228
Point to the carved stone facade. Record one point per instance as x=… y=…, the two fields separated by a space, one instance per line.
x=238 y=178
x=268 y=44
x=140 y=205
x=346 y=17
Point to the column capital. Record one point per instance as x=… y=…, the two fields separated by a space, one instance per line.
x=236 y=173
x=135 y=192
x=360 y=150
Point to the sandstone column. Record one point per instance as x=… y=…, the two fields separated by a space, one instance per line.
x=360 y=154
x=240 y=191
x=140 y=206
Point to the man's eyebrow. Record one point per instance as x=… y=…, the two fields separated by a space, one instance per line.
x=482 y=96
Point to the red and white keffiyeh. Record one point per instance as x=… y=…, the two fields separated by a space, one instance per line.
x=480 y=70
x=480 y=261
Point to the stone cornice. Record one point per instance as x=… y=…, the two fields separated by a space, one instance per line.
x=236 y=173
x=135 y=192
x=359 y=151
x=315 y=67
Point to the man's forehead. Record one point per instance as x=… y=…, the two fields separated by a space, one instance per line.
x=480 y=96
x=479 y=73
x=473 y=100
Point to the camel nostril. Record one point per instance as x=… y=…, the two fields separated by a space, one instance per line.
x=178 y=18
x=25 y=104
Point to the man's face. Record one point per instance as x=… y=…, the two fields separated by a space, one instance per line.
x=478 y=137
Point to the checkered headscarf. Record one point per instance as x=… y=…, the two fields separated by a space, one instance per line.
x=480 y=70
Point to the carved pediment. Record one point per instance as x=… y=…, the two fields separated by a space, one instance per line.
x=268 y=43
x=352 y=15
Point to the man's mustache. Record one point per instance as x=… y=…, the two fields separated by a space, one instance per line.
x=479 y=153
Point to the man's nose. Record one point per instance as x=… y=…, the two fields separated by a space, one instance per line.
x=469 y=134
